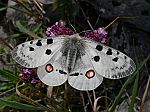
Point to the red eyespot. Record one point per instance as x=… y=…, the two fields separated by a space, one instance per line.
x=90 y=74
x=49 y=68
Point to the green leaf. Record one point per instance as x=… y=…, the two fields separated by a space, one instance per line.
x=12 y=36
x=129 y=80
x=4 y=86
x=3 y=8
x=37 y=28
x=18 y=105
x=9 y=75
x=2 y=50
x=25 y=30
x=13 y=97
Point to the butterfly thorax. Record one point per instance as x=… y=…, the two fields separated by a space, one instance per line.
x=72 y=50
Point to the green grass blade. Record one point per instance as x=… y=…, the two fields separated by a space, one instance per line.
x=18 y=105
x=134 y=90
x=130 y=79
x=9 y=75
x=25 y=30
x=134 y=93
x=13 y=36
x=3 y=8
x=5 y=86
x=37 y=28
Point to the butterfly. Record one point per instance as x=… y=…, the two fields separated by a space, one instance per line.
x=81 y=61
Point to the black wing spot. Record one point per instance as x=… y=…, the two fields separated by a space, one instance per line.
x=23 y=61
x=31 y=49
x=120 y=75
x=130 y=69
x=118 y=53
x=96 y=58
x=48 y=52
x=49 y=41
x=114 y=76
x=20 y=60
x=127 y=72
x=121 y=68
x=62 y=72
x=99 y=47
x=132 y=64
x=15 y=54
x=115 y=59
x=125 y=57
x=39 y=43
x=124 y=74
x=74 y=74
x=109 y=52
x=17 y=58
x=31 y=42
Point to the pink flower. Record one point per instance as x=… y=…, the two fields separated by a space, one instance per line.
x=26 y=71
x=28 y=75
x=99 y=35
x=58 y=29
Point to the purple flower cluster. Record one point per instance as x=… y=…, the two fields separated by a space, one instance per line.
x=99 y=35
x=28 y=74
x=58 y=29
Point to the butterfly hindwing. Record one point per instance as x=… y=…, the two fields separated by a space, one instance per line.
x=53 y=73
x=108 y=62
x=35 y=53
x=84 y=77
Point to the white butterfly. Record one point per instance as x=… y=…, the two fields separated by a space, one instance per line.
x=82 y=61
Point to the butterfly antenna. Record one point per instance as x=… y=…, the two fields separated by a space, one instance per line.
x=72 y=26
x=117 y=19
x=113 y=22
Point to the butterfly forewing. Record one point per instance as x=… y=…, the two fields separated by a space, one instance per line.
x=108 y=62
x=35 y=53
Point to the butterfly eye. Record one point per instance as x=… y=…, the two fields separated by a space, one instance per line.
x=49 y=68
x=90 y=74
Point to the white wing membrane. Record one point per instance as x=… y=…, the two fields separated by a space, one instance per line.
x=35 y=53
x=108 y=62
x=84 y=77
x=53 y=72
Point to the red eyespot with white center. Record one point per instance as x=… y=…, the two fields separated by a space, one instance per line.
x=49 y=68
x=90 y=74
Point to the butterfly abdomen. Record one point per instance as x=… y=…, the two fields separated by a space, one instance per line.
x=71 y=58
